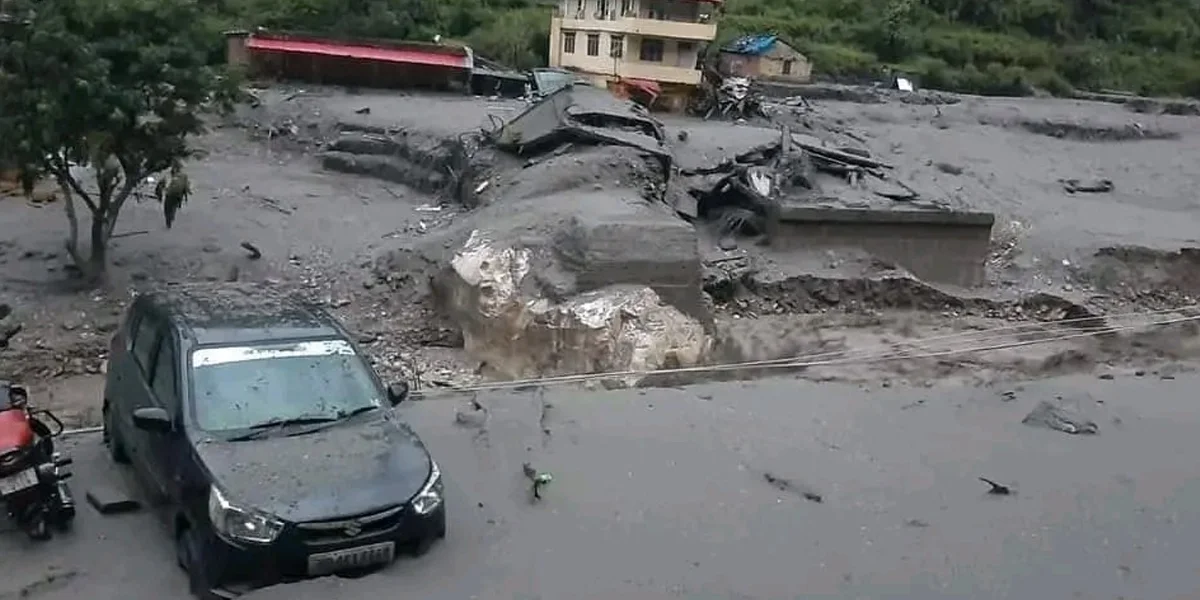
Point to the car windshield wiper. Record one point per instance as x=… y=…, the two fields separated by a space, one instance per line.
x=342 y=416
x=346 y=414
x=259 y=429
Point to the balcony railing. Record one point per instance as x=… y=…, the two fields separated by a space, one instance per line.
x=658 y=72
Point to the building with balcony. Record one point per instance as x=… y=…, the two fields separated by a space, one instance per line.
x=610 y=41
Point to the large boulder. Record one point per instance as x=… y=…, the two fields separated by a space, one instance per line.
x=518 y=330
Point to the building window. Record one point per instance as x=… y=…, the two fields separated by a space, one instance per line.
x=651 y=50
x=616 y=46
x=602 y=10
x=593 y=48
x=627 y=8
x=569 y=42
x=787 y=67
x=579 y=8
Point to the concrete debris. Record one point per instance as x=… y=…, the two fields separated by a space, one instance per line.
x=746 y=195
x=108 y=500
x=582 y=114
x=522 y=329
x=1059 y=418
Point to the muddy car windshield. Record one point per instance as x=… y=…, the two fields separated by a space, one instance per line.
x=242 y=387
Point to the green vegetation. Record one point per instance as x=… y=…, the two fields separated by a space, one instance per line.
x=114 y=87
x=986 y=46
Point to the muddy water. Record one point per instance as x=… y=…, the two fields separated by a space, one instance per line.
x=663 y=494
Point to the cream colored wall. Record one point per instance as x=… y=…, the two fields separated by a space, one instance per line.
x=773 y=68
x=677 y=65
x=771 y=64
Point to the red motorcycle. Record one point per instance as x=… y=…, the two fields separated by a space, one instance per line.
x=33 y=487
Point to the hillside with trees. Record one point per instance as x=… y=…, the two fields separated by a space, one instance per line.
x=984 y=46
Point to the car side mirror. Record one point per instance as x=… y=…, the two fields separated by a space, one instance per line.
x=152 y=419
x=397 y=392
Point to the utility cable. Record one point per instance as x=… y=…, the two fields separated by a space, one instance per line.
x=840 y=357
x=811 y=360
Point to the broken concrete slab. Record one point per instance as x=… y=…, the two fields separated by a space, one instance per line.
x=108 y=500
x=940 y=246
x=582 y=113
x=519 y=331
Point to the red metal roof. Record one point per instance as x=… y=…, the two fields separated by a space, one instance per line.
x=329 y=48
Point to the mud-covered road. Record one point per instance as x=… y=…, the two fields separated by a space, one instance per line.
x=664 y=494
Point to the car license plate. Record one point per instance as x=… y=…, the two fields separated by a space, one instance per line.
x=351 y=558
x=15 y=483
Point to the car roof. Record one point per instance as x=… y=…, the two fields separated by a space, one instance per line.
x=239 y=313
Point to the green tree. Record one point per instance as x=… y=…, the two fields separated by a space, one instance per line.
x=100 y=96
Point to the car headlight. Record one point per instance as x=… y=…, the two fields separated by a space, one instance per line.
x=236 y=523
x=430 y=496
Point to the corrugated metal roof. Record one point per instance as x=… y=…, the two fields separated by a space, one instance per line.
x=754 y=45
x=330 y=48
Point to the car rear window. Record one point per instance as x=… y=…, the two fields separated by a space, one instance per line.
x=240 y=387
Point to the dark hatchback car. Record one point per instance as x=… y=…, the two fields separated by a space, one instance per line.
x=267 y=437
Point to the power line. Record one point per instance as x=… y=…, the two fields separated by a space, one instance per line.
x=842 y=357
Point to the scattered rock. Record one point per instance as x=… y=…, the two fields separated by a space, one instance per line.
x=1058 y=418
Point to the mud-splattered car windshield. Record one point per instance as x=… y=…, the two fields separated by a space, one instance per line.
x=235 y=388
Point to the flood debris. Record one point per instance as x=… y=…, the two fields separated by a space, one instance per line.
x=786 y=485
x=735 y=97
x=108 y=500
x=537 y=479
x=9 y=326
x=997 y=489
x=1059 y=418
x=745 y=195
x=253 y=253
x=581 y=114
x=1091 y=186
x=475 y=417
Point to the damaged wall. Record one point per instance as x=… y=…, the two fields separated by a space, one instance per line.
x=939 y=246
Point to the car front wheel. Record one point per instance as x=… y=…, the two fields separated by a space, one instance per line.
x=112 y=437
x=190 y=555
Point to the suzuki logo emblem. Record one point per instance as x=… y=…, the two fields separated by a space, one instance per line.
x=352 y=529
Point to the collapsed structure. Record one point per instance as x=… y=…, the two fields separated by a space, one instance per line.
x=591 y=228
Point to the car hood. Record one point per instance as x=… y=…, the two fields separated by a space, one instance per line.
x=348 y=469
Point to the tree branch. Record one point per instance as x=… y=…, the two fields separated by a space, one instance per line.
x=118 y=201
x=63 y=174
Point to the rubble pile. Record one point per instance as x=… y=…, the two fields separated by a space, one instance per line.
x=518 y=332
x=572 y=262
x=744 y=195
x=733 y=98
